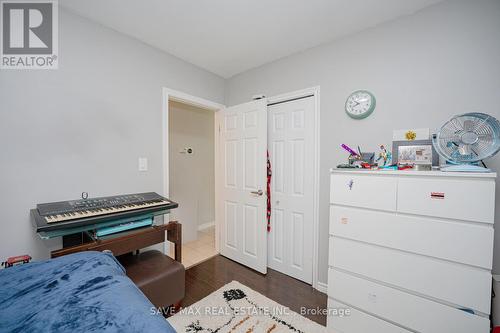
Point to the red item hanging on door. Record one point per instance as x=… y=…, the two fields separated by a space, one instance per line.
x=269 y=173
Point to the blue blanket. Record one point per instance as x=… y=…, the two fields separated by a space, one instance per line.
x=82 y=292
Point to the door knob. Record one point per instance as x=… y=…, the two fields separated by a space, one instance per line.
x=259 y=192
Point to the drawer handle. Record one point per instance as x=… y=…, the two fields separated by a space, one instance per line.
x=437 y=195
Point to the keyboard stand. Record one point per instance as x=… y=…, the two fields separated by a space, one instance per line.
x=124 y=242
x=76 y=239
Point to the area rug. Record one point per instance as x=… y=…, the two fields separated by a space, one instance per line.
x=236 y=308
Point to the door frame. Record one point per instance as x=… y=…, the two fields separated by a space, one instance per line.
x=179 y=96
x=315 y=92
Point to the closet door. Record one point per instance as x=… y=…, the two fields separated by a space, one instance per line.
x=243 y=145
x=291 y=149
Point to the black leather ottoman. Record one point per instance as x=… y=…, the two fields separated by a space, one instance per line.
x=159 y=277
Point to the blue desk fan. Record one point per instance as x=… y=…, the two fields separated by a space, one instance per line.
x=466 y=139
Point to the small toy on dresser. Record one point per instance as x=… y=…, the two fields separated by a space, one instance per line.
x=17 y=260
x=384 y=156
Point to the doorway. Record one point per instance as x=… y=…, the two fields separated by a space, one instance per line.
x=189 y=168
x=192 y=178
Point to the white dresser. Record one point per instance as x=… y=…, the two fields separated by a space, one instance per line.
x=410 y=251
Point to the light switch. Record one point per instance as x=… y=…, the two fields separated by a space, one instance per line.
x=143 y=164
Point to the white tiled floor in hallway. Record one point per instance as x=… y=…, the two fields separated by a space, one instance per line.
x=199 y=250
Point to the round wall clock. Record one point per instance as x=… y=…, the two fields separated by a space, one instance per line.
x=360 y=104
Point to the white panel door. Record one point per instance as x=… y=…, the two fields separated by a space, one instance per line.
x=243 y=144
x=291 y=149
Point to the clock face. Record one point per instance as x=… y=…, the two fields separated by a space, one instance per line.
x=360 y=104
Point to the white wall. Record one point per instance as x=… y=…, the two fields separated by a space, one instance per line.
x=423 y=69
x=82 y=127
x=192 y=177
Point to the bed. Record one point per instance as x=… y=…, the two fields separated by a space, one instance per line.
x=81 y=292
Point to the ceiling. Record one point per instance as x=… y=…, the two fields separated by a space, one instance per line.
x=228 y=37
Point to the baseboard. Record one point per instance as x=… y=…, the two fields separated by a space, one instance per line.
x=322 y=287
x=206 y=225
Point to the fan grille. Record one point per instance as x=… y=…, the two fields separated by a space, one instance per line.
x=468 y=138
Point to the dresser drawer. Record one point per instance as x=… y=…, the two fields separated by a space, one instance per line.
x=461 y=242
x=463 y=199
x=358 y=322
x=466 y=286
x=415 y=313
x=378 y=192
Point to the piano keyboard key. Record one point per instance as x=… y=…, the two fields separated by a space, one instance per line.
x=102 y=211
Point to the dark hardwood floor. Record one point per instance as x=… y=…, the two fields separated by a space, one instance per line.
x=207 y=277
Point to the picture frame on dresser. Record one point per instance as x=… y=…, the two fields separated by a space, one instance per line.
x=397 y=145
